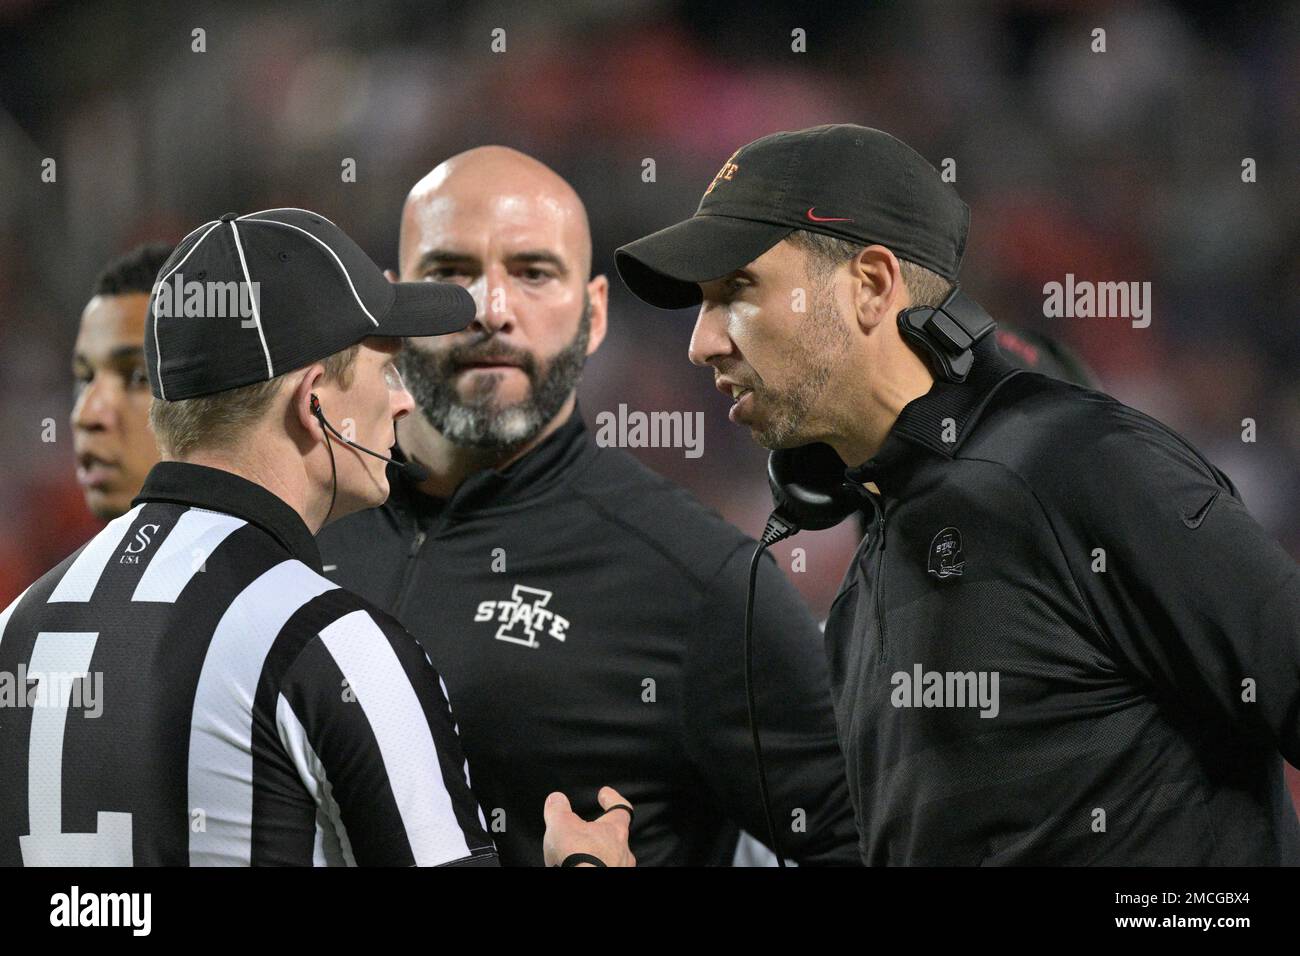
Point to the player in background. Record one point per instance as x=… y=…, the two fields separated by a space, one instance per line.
x=110 y=418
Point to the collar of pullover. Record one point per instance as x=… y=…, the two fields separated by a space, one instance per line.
x=948 y=410
x=184 y=483
x=524 y=480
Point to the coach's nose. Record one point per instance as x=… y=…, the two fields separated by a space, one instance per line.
x=709 y=339
x=495 y=311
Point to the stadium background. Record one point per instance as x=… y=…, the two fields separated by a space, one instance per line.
x=1116 y=166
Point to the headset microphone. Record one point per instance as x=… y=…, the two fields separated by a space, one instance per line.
x=414 y=471
x=808 y=485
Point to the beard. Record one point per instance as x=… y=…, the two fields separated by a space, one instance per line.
x=479 y=420
x=820 y=346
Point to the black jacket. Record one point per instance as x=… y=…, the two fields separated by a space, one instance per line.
x=1144 y=630
x=586 y=615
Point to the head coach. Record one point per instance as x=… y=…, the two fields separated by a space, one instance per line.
x=584 y=611
x=202 y=694
x=1064 y=639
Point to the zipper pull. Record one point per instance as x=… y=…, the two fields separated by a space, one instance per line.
x=416 y=544
x=879 y=509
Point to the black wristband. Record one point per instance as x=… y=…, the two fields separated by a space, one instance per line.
x=573 y=859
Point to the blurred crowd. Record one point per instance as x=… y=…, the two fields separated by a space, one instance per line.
x=1122 y=165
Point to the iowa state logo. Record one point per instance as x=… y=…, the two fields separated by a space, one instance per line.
x=946 y=558
x=524 y=617
x=728 y=170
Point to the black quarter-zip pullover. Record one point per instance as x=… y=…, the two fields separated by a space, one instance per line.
x=1063 y=640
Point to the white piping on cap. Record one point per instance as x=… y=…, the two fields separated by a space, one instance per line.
x=162 y=392
x=263 y=212
x=257 y=318
x=325 y=246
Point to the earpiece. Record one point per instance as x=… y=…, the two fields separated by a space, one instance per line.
x=414 y=471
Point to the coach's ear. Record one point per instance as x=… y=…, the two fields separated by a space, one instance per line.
x=598 y=295
x=878 y=286
x=390 y=275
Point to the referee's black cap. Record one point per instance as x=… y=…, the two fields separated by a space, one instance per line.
x=850 y=182
x=243 y=299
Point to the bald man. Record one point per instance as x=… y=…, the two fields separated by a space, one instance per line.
x=583 y=610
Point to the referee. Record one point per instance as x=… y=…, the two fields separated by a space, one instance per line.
x=1064 y=640
x=187 y=688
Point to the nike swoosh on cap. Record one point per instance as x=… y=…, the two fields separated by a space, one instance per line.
x=816 y=218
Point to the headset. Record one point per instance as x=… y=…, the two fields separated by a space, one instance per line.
x=809 y=488
x=946 y=334
x=411 y=469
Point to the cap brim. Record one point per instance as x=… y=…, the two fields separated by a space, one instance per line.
x=664 y=268
x=427 y=308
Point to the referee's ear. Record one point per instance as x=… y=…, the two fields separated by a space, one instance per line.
x=310 y=382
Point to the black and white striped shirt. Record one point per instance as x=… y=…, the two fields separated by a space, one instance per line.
x=187 y=688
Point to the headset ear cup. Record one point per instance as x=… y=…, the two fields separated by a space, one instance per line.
x=910 y=325
x=809 y=488
x=946 y=334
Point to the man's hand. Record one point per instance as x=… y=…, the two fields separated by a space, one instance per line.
x=605 y=837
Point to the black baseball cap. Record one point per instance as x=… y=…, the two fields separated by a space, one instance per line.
x=846 y=181
x=308 y=291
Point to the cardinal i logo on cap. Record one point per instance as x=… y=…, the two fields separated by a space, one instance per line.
x=850 y=182
x=728 y=170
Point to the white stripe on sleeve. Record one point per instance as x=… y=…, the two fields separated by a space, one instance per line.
x=332 y=846
x=221 y=725
x=9 y=611
x=362 y=652
x=78 y=582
